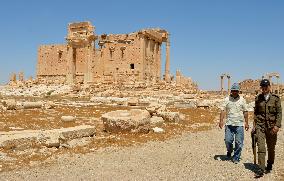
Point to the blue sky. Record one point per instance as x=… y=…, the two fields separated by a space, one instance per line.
x=208 y=37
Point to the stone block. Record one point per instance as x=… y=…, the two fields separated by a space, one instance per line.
x=126 y=121
x=169 y=116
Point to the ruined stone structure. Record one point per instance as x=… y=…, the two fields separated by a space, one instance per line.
x=182 y=81
x=114 y=58
x=274 y=88
x=13 y=78
x=250 y=86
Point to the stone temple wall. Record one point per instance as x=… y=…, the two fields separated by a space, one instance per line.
x=88 y=58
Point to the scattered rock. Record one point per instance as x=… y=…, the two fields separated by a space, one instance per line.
x=158 y=130
x=155 y=107
x=190 y=104
x=133 y=101
x=100 y=100
x=32 y=105
x=169 y=116
x=119 y=101
x=78 y=142
x=10 y=104
x=182 y=116
x=67 y=118
x=49 y=105
x=188 y=96
x=157 y=121
x=126 y=121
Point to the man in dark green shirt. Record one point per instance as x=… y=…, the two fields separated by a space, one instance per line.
x=267 y=121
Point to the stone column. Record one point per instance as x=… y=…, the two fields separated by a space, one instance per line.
x=13 y=78
x=178 y=78
x=269 y=78
x=21 y=76
x=159 y=61
x=229 y=82
x=222 y=79
x=142 y=56
x=278 y=86
x=147 y=60
x=167 y=67
x=70 y=66
x=88 y=72
x=154 y=64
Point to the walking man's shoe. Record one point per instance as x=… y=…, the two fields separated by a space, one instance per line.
x=228 y=156
x=235 y=161
x=268 y=168
x=259 y=173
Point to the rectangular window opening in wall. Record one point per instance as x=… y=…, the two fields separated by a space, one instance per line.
x=111 y=55
x=132 y=66
x=60 y=55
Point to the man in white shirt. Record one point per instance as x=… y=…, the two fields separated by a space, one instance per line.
x=235 y=108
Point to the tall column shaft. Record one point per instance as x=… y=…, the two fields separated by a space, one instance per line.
x=70 y=66
x=269 y=78
x=278 y=86
x=229 y=84
x=155 y=62
x=88 y=69
x=142 y=56
x=159 y=61
x=222 y=85
x=167 y=67
x=147 y=62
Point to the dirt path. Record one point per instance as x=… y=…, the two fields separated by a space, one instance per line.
x=192 y=156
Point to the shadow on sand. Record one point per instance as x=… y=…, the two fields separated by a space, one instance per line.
x=250 y=166
x=222 y=157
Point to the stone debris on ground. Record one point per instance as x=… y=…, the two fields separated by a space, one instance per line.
x=192 y=156
x=146 y=112
x=68 y=118
x=50 y=138
x=158 y=130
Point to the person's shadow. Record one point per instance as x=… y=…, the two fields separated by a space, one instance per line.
x=250 y=166
x=221 y=158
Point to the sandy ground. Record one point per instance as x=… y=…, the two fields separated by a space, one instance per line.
x=191 y=156
x=15 y=158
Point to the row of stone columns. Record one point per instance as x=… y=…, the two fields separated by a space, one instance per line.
x=278 y=86
x=71 y=62
x=157 y=59
x=13 y=77
x=222 y=81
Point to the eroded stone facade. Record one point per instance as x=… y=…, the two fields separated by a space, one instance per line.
x=250 y=86
x=113 y=58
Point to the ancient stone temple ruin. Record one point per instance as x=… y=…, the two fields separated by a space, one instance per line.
x=109 y=58
x=250 y=86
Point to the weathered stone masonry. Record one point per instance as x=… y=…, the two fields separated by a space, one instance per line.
x=124 y=58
